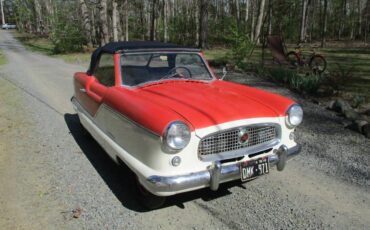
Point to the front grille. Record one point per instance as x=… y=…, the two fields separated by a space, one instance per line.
x=229 y=140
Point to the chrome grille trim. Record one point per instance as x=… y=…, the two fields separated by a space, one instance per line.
x=225 y=144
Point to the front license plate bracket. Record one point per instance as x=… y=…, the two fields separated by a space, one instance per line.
x=254 y=168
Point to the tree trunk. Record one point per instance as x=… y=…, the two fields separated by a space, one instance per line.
x=49 y=7
x=115 y=19
x=366 y=16
x=342 y=20
x=259 y=21
x=359 y=23
x=307 y=20
x=302 y=36
x=93 y=27
x=152 y=20
x=142 y=21
x=104 y=22
x=165 y=19
x=197 y=39
x=2 y=12
x=203 y=24
x=126 y=6
x=270 y=18
x=324 y=26
x=246 y=11
x=237 y=8
x=86 y=22
x=352 y=20
x=253 y=21
x=38 y=18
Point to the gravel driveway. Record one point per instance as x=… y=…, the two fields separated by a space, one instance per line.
x=51 y=173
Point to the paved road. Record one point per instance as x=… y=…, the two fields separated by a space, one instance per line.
x=48 y=168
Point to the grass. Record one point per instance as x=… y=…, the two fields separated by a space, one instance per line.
x=45 y=46
x=2 y=59
x=356 y=61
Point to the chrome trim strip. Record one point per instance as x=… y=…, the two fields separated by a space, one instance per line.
x=212 y=177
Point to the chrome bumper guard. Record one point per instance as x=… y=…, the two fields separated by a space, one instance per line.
x=216 y=173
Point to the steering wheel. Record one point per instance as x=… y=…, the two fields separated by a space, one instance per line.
x=173 y=72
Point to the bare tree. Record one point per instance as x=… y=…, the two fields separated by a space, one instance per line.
x=115 y=19
x=203 y=24
x=325 y=22
x=2 y=12
x=38 y=18
x=237 y=9
x=302 y=36
x=247 y=3
x=270 y=17
x=104 y=22
x=253 y=21
x=165 y=19
x=366 y=15
x=152 y=20
x=359 y=17
x=259 y=20
x=197 y=39
x=86 y=22
x=126 y=6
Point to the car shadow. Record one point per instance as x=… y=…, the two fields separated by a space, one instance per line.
x=120 y=179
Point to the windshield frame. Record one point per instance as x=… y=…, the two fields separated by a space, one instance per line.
x=199 y=53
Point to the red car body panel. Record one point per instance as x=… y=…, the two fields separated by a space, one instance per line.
x=203 y=104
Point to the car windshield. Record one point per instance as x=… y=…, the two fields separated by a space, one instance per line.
x=149 y=67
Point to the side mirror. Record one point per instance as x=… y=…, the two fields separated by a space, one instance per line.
x=224 y=72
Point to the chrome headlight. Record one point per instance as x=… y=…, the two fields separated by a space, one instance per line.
x=176 y=135
x=294 y=116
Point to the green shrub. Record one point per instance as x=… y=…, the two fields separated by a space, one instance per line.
x=241 y=47
x=66 y=34
x=308 y=83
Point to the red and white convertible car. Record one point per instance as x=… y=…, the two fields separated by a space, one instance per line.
x=161 y=110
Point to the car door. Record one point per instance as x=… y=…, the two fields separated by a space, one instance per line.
x=90 y=90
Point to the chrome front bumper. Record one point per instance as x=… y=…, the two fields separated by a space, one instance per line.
x=216 y=174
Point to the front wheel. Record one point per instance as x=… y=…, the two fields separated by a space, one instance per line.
x=317 y=64
x=147 y=199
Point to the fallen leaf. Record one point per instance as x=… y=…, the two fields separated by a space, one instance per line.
x=76 y=213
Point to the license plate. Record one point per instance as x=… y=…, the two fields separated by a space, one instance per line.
x=254 y=168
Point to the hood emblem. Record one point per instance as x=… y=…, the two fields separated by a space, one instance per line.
x=243 y=137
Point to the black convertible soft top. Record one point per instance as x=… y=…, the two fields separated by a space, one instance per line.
x=133 y=46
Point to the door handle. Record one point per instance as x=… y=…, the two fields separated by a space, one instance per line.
x=83 y=90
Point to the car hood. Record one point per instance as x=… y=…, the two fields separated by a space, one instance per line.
x=205 y=104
